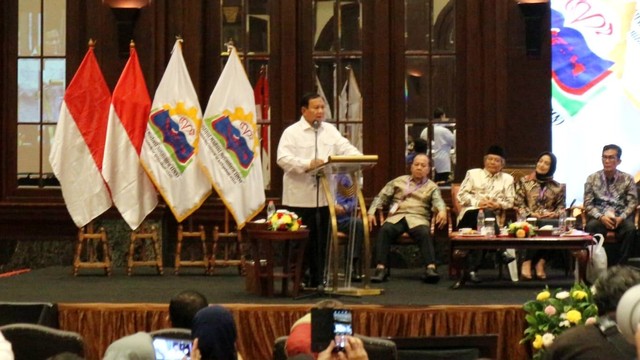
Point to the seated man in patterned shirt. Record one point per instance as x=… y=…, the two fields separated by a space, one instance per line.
x=610 y=200
x=411 y=200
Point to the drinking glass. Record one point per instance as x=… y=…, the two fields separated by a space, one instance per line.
x=570 y=223
x=490 y=226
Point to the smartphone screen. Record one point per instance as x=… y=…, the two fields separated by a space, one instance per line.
x=341 y=327
x=172 y=349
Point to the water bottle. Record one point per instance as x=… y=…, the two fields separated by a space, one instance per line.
x=480 y=222
x=271 y=209
x=561 y=220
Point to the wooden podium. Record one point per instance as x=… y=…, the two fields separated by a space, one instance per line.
x=352 y=166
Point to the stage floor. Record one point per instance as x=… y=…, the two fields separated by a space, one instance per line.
x=58 y=285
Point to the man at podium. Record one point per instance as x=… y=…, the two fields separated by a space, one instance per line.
x=410 y=199
x=306 y=145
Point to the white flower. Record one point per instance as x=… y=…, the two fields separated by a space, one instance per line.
x=565 y=323
x=547 y=339
x=562 y=295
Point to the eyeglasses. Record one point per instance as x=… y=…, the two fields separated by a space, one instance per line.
x=609 y=157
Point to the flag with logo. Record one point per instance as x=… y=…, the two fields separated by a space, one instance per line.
x=351 y=110
x=261 y=94
x=170 y=144
x=131 y=190
x=78 y=146
x=230 y=149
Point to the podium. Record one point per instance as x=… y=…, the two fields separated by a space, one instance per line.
x=351 y=166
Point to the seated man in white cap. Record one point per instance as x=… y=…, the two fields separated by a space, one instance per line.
x=488 y=189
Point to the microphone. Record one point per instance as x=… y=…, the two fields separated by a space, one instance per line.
x=573 y=202
x=315 y=125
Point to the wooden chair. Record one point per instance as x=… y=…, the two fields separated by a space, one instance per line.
x=88 y=240
x=405 y=238
x=230 y=244
x=199 y=235
x=142 y=235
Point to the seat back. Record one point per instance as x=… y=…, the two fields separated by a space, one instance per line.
x=377 y=348
x=38 y=342
x=174 y=333
x=447 y=347
x=29 y=313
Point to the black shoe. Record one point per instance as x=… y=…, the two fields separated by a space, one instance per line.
x=473 y=277
x=430 y=276
x=379 y=276
x=507 y=258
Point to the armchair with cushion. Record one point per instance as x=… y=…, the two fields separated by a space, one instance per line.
x=377 y=348
x=38 y=342
x=447 y=347
x=174 y=333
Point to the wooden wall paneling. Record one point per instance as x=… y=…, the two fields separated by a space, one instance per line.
x=8 y=30
x=379 y=115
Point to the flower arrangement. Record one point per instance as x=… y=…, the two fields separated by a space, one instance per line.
x=521 y=229
x=553 y=312
x=284 y=220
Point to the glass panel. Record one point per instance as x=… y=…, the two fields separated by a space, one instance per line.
x=232 y=13
x=417 y=89
x=47 y=134
x=443 y=33
x=53 y=85
x=350 y=25
x=29 y=151
x=416 y=26
x=326 y=86
x=29 y=23
x=443 y=71
x=324 y=26
x=258 y=26
x=54 y=27
x=29 y=90
x=350 y=104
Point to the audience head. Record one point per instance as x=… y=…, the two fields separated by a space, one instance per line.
x=438 y=113
x=611 y=158
x=299 y=339
x=215 y=330
x=545 y=165
x=420 y=146
x=184 y=306
x=138 y=346
x=494 y=159
x=420 y=167
x=312 y=107
x=610 y=287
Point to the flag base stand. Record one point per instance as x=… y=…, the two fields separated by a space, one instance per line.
x=89 y=240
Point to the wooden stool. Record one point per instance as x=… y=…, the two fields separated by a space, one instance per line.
x=143 y=236
x=200 y=234
x=262 y=244
x=230 y=244
x=90 y=238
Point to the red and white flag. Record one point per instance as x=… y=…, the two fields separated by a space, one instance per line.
x=131 y=190
x=78 y=147
x=171 y=140
x=261 y=94
x=230 y=149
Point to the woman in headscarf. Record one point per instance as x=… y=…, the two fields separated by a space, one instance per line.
x=214 y=334
x=539 y=196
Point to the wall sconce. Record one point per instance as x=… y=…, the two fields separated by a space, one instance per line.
x=126 y=13
x=533 y=12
